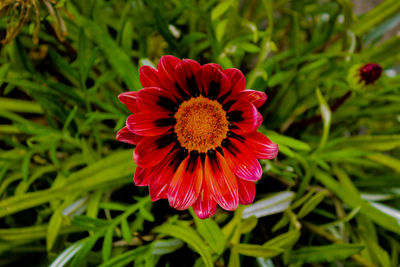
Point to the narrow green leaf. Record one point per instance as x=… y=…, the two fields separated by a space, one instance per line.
x=113 y=206
x=188 y=235
x=288 y=141
x=311 y=204
x=126 y=231
x=67 y=254
x=125 y=258
x=18 y=105
x=146 y=214
x=248 y=47
x=258 y=251
x=248 y=224
x=89 y=223
x=234 y=260
x=162 y=247
x=220 y=9
x=284 y=241
x=211 y=232
x=386 y=160
x=87 y=246
x=326 y=117
x=120 y=62
x=109 y=171
x=54 y=227
x=270 y=205
x=328 y=253
x=107 y=244
x=221 y=29
x=93 y=204
x=354 y=201
x=25 y=166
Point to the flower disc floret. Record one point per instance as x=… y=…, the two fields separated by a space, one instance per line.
x=201 y=124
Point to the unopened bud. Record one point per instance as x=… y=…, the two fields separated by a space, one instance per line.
x=369 y=73
x=361 y=77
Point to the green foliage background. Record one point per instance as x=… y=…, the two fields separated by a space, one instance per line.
x=331 y=198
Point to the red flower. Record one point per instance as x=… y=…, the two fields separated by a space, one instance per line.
x=195 y=131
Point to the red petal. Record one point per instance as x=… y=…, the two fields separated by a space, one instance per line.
x=212 y=81
x=155 y=99
x=129 y=99
x=126 y=136
x=149 y=77
x=243 y=163
x=259 y=120
x=247 y=191
x=237 y=79
x=257 y=98
x=221 y=180
x=151 y=150
x=150 y=123
x=166 y=71
x=216 y=65
x=185 y=185
x=185 y=73
x=205 y=205
x=244 y=115
x=142 y=176
x=261 y=146
x=158 y=187
x=162 y=175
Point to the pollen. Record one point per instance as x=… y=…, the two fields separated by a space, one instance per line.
x=201 y=124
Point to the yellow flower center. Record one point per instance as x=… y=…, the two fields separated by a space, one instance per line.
x=201 y=124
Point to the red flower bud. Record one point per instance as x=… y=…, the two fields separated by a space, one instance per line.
x=369 y=73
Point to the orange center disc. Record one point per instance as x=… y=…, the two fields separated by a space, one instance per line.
x=201 y=124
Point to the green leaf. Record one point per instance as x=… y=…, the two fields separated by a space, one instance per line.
x=107 y=244
x=378 y=14
x=32 y=232
x=108 y=171
x=211 y=232
x=89 y=223
x=271 y=205
x=234 y=260
x=221 y=28
x=18 y=105
x=326 y=117
x=120 y=62
x=67 y=254
x=188 y=235
x=248 y=224
x=311 y=204
x=284 y=241
x=328 y=253
x=162 y=247
x=220 y=9
x=87 y=246
x=248 y=47
x=258 y=250
x=288 y=141
x=146 y=214
x=114 y=206
x=162 y=26
x=354 y=200
x=54 y=227
x=125 y=258
x=386 y=160
x=126 y=231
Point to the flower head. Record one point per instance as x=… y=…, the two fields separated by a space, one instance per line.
x=195 y=131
